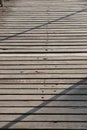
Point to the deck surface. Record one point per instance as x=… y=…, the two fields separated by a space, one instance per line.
x=43 y=64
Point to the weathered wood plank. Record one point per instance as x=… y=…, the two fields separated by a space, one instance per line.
x=44 y=62
x=43 y=81
x=46 y=118
x=43 y=65
x=42 y=86
x=44 y=71
x=44 y=57
x=43 y=92
x=43 y=111
x=21 y=67
x=44 y=97
x=47 y=125
x=41 y=76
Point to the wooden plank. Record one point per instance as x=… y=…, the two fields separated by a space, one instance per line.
x=43 y=62
x=42 y=76
x=48 y=50
x=43 y=111
x=44 y=81
x=44 y=92
x=21 y=67
x=42 y=86
x=43 y=71
x=43 y=57
x=46 y=118
x=44 y=97
x=41 y=44
x=47 y=125
x=27 y=104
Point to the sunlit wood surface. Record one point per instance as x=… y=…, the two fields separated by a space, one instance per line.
x=43 y=64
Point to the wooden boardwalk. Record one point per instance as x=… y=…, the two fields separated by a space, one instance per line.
x=43 y=64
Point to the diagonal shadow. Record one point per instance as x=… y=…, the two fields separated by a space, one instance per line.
x=10 y=124
x=42 y=25
x=35 y=109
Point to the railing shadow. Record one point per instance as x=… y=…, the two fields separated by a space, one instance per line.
x=44 y=24
x=66 y=91
x=35 y=109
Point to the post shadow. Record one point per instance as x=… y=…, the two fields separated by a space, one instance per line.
x=35 y=109
x=2 y=3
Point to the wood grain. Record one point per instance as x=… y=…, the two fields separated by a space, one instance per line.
x=43 y=64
